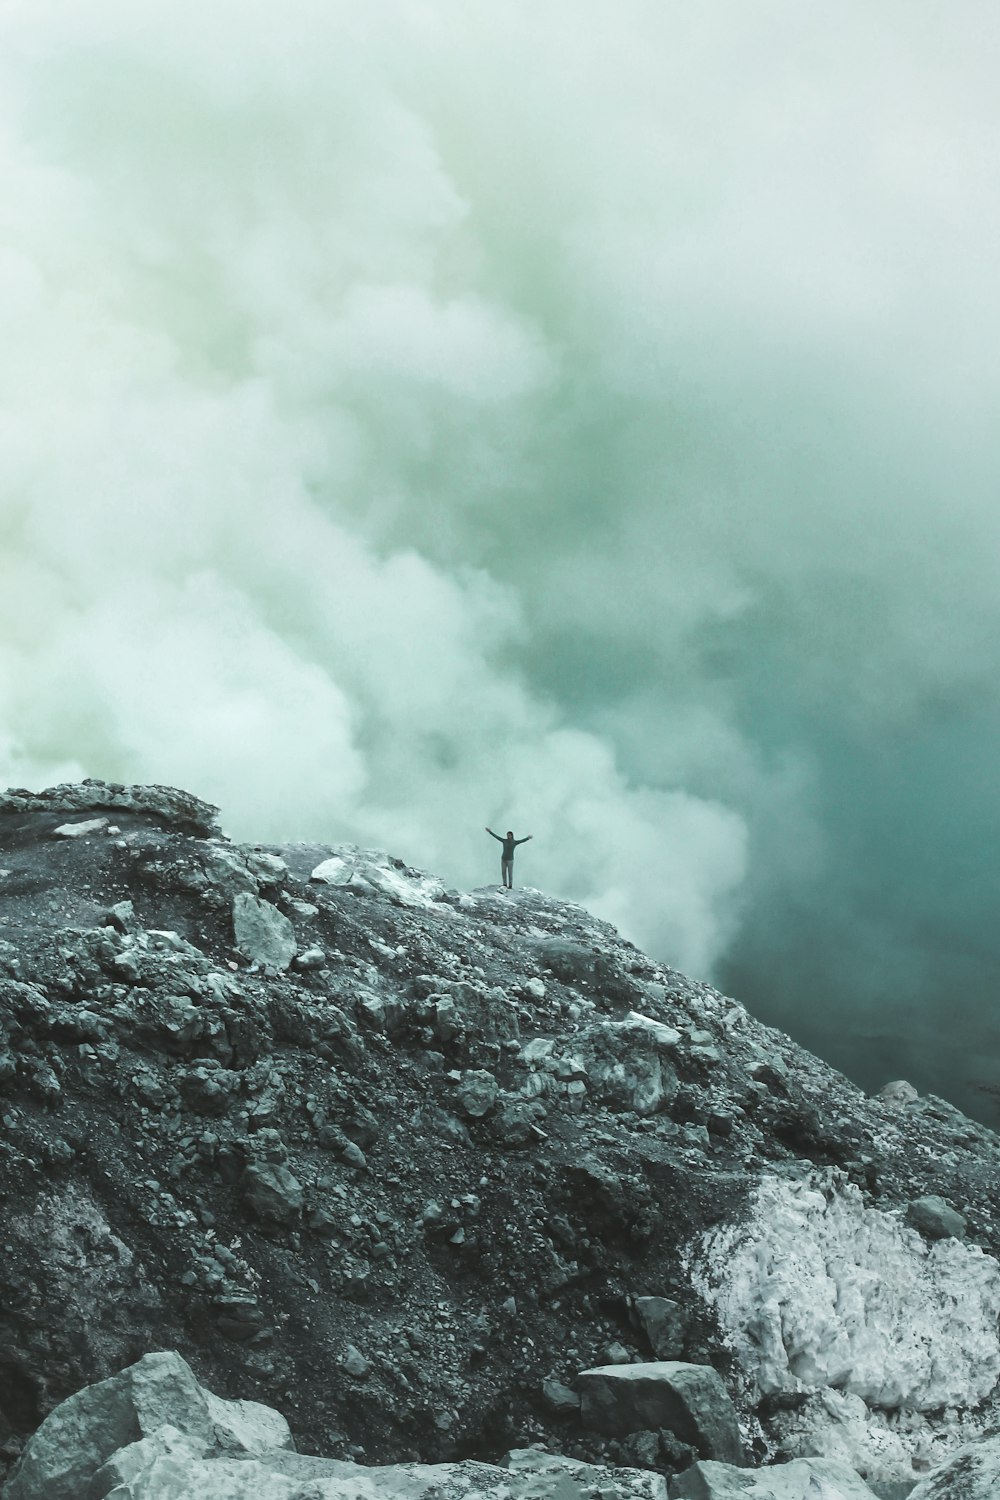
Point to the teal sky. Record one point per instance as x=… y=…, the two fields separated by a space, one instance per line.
x=578 y=418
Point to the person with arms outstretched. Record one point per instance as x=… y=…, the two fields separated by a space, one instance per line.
x=510 y=843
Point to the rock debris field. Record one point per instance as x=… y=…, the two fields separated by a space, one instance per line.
x=320 y=1179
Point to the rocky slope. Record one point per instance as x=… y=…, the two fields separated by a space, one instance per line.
x=405 y=1162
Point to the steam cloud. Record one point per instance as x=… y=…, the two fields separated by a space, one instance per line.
x=578 y=419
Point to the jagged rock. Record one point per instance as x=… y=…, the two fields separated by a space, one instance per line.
x=690 y=1400
x=146 y=1077
x=175 y=808
x=935 y=1218
x=272 y=1191
x=477 y=1093
x=664 y=1323
x=898 y=1092
x=354 y=1363
x=802 y=1479
x=152 y=1433
x=79 y=1437
x=559 y=1397
x=537 y=1475
x=371 y=870
x=262 y=933
x=973 y=1473
x=81 y=830
x=310 y=958
x=626 y=1065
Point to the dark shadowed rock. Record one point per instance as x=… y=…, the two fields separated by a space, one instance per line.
x=690 y=1400
x=664 y=1322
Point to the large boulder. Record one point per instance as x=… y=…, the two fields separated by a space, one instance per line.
x=367 y=870
x=973 y=1473
x=803 y=1479
x=82 y=1434
x=272 y=1191
x=689 y=1400
x=152 y=1433
x=627 y=1064
x=262 y=933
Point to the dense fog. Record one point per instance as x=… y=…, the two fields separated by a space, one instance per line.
x=579 y=419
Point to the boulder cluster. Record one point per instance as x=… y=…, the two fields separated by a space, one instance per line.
x=437 y=1174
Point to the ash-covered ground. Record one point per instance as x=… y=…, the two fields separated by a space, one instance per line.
x=403 y=1161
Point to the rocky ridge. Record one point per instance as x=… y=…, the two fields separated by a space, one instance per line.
x=442 y=1175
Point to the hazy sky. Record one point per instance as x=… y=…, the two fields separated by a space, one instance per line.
x=577 y=417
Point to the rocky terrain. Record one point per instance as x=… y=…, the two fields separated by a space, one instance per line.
x=443 y=1176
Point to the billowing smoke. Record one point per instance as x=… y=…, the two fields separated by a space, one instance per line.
x=573 y=418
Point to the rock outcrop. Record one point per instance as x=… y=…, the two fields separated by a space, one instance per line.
x=453 y=1150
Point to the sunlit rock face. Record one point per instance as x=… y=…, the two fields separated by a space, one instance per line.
x=452 y=1150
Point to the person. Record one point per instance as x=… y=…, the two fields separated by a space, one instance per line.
x=510 y=843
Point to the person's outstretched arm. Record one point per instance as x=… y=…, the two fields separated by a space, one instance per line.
x=494 y=835
x=526 y=840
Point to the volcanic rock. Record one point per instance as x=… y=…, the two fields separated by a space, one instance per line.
x=262 y=933
x=690 y=1400
x=204 y=1150
x=802 y=1479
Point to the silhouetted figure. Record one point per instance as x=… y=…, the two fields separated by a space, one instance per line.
x=510 y=843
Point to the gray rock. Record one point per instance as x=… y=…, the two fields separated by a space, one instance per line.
x=802 y=1479
x=973 y=1473
x=272 y=1191
x=160 y=1391
x=538 y=1475
x=355 y=1364
x=168 y=804
x=477 y=1093
x=559 y=1398
x=898 y=1092
x=626 y=1063
x=690 y=1400
x=664 y=1324
x=262 y=933
x=311 y=958
x=935 y=1218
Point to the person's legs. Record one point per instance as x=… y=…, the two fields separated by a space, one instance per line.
x=507 y=872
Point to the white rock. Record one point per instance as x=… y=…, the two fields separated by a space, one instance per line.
x=664 y=1036
x=803 y=1479
x=81 y=830
x=818 y=1290
x=370 y=869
